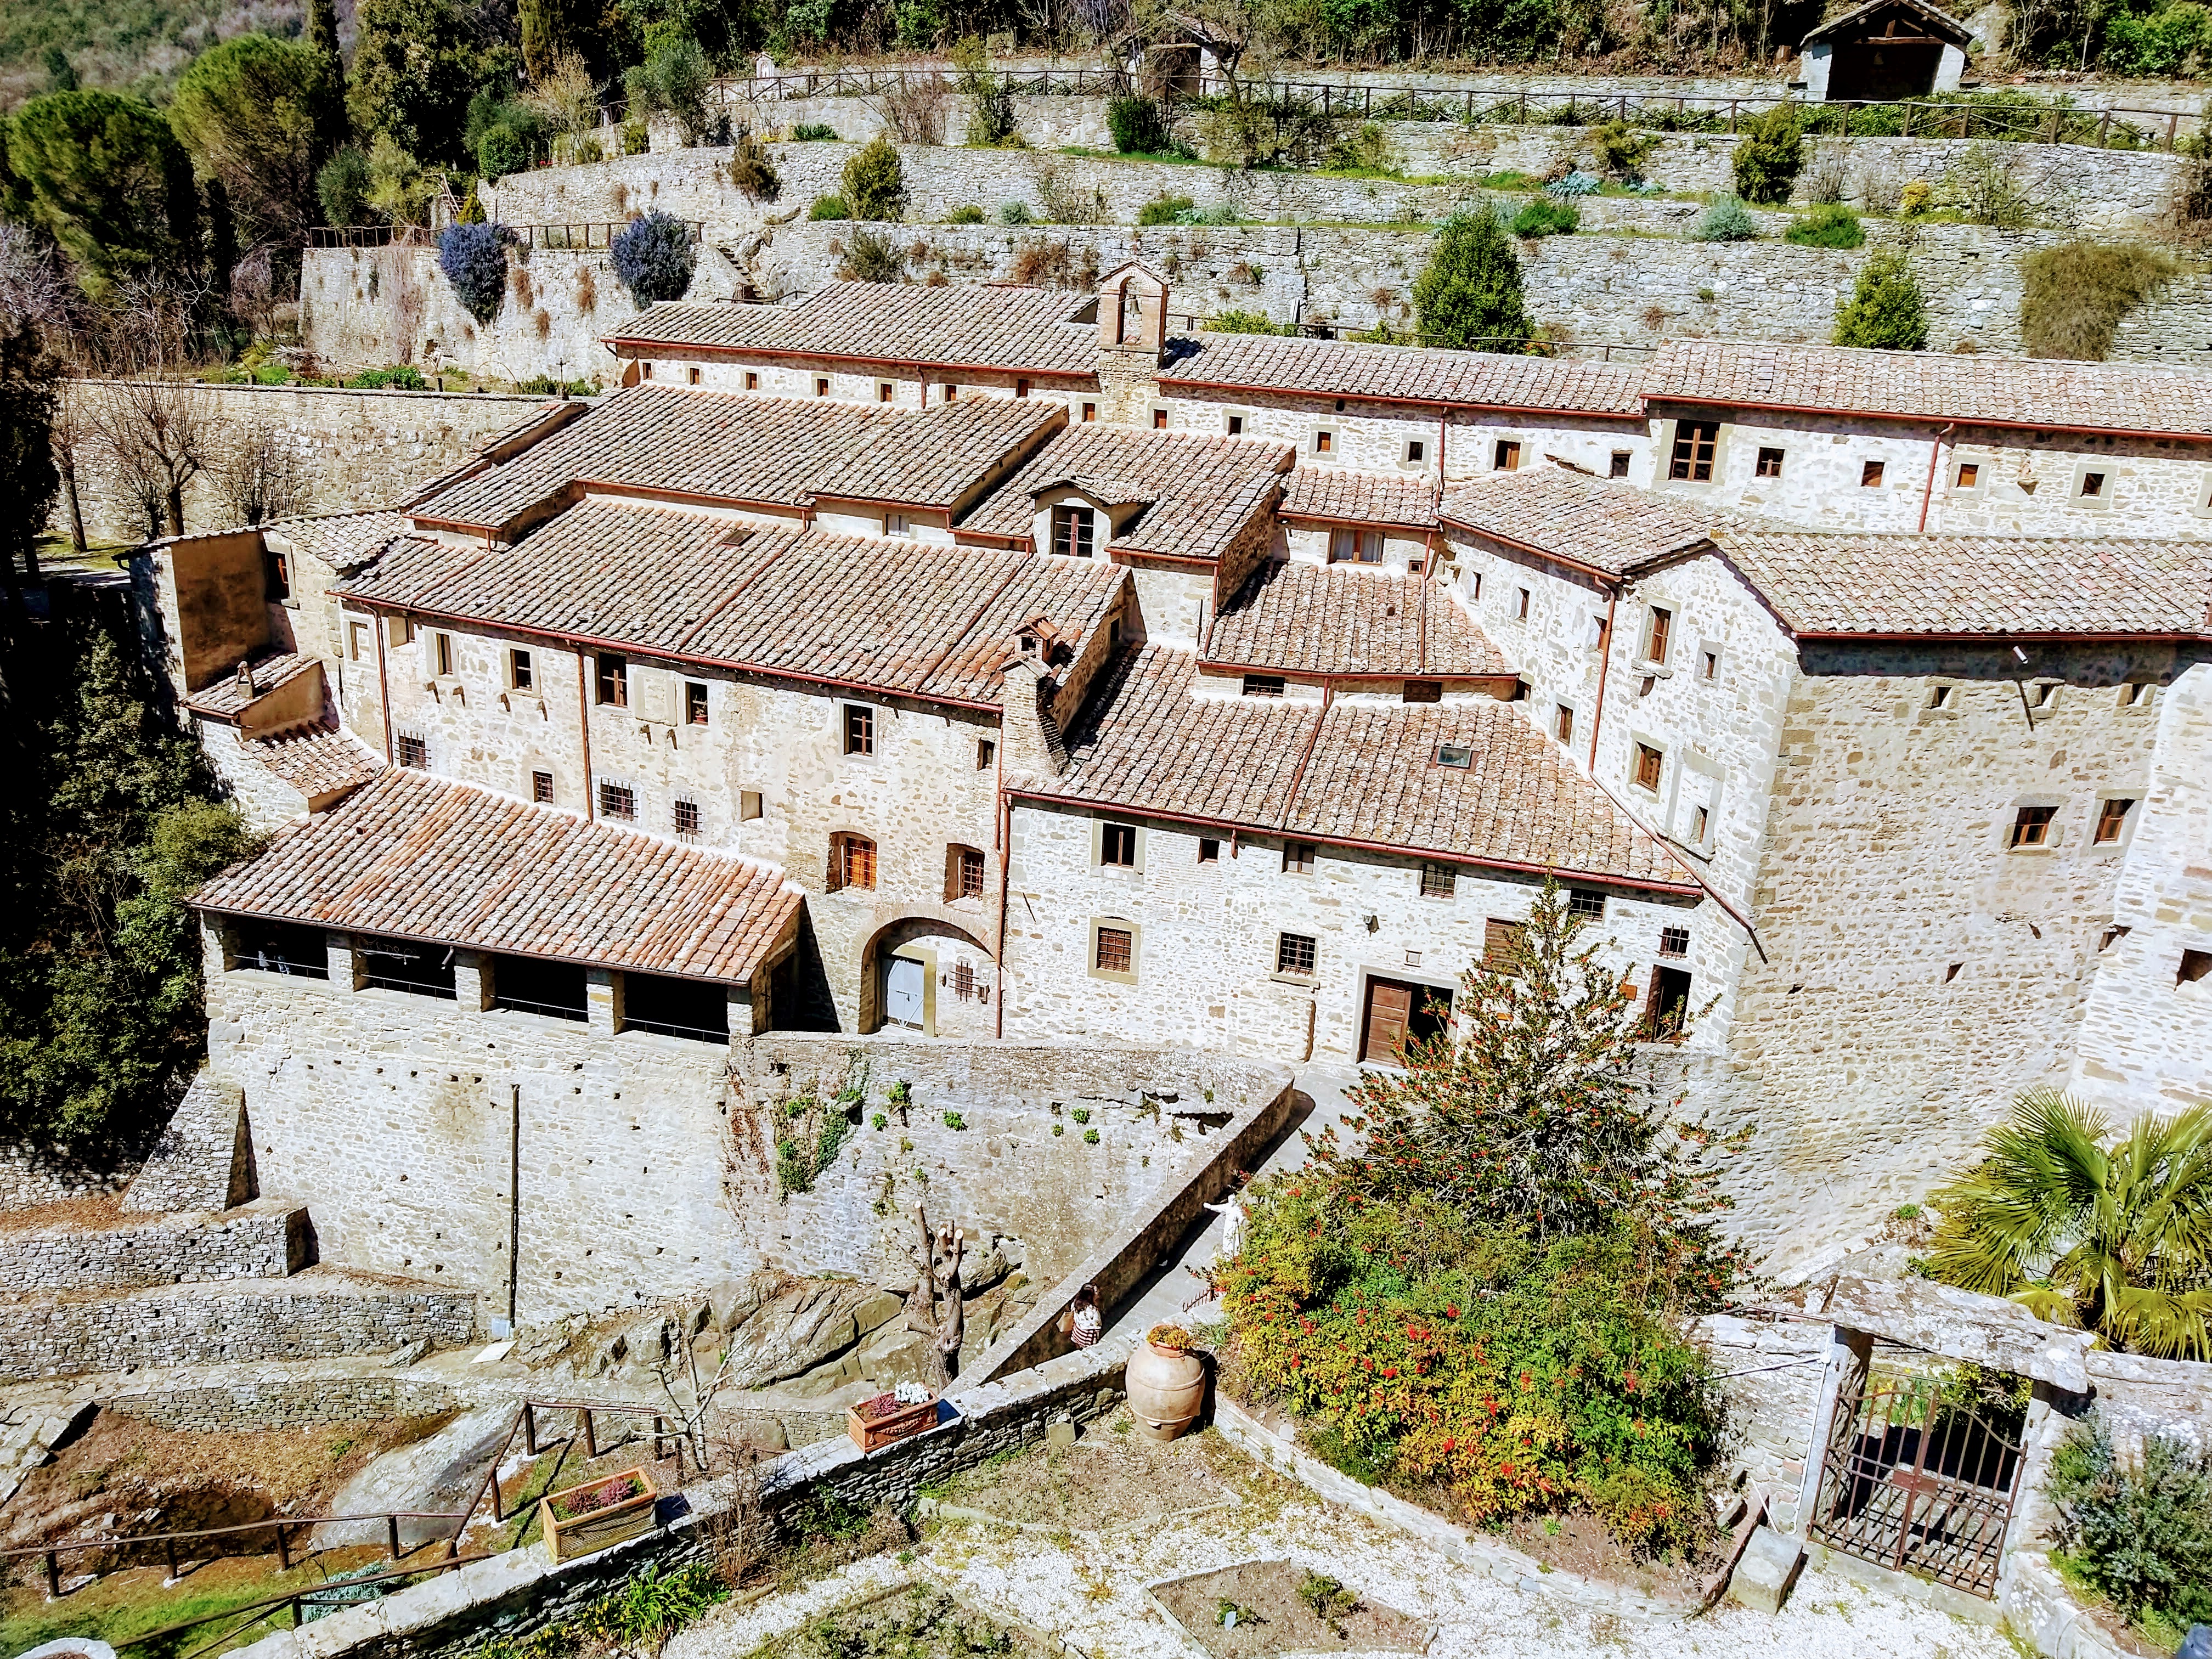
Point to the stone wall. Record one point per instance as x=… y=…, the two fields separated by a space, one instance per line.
x=360 y=448
x=311 y=1316
x=1770 y=1372
x=267 y=1240
x=34 y=1175
x=284 y=1402
x=202 y=1160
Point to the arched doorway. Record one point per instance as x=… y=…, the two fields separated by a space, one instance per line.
x=928 y=976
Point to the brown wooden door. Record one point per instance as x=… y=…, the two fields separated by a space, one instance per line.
x=1389 y=1010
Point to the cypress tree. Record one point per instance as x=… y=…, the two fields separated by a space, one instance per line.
x=331 y=127
x=1886 y=310
x=1469 y=296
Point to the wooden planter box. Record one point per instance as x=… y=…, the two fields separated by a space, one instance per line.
x=896 y=1424
x=595 y=1530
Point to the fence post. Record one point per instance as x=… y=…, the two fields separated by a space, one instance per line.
x=53 y=1577
x=529 y=1428
x=1731 y=115
x=169 y=1555
x=2103 y=129
x=1524 y=106
x=2172 y=121
x=391 y=1527
x=590 y=1435
x=299 y=1612
x=283 y=1550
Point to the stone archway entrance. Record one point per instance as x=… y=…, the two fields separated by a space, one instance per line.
x=924 y=975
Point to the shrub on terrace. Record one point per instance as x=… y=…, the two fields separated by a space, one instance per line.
x=875 y=182
x=828 y=207
x=1886 y=309
x=872 y=257
x=1164 y=211
x=1767 y=158
x=1725 y=220
x=966 y=213
x=2139 y=1532
x=2073 y=296
x=1139 y=125
x=1246 y=322
x=1829 y=225
x=655 y=258
x=1469 y=295
x=474 y=259
x=1546 y=218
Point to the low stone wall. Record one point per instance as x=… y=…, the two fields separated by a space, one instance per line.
x=34 y=1175
x=285 y=1403
x=266 y=1240
x=202 y=1160
x=2140 y=1395
x=1770 y=1373
x=309 y=1316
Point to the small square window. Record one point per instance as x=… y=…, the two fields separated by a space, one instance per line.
x=1091 y=411
x=752 y=380
x=1970 y=474
x=1297 y=857
x=617 y=801
x=897 y=524
x=1235 y=426
x=519 y=673
x=2112 y=821
x=1438 y=881
x=2033 y=827
x=1474 y=586
x=613 y=681
x=2134 y=694
x=1459 y=756
x=1618 y=468
x=987 y=751
x=1074 y=530
x=691 y=376
x=1295 y=953
x=646 y=372
x=1870 y=476
x=400 y=630
x=1701 y=824
x=1263 y=685
x=1209 y=849
x=1674 y=941
x=1770 y=462
x=1417 y=452
x=2093 y=486
x=687 y=818
x=885 y=392
x=1159 y=420
x=1649 y=764
x=2195 y=965
x=358 y=640
x=971 y=872
x=749 y=804
x=1709 y=664
x=1425 y=691
x=1324 y=442
x=821 y=386
x=1501 y=945
x=852 y=862
x=951 y=391
x=1520 y=608
x=1022 y=387
x=1114 y=950
x=1563 y=724
x=1506 y=457
x=1117 y=846
x=860 y=729
x=695 y=702
x=1582 y=902
x=1939 y=696
x=541 y=788
x=2044 y=694
x=413 y=751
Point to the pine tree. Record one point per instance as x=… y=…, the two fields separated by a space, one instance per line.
x=105 y=177
x=1469 y=296
x=331 y=127
x=1886 y=310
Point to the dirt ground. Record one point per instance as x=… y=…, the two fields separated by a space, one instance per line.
x=1584 y=1544
x=1111 y=1477
x=1272 y=1618
x=919 y=1621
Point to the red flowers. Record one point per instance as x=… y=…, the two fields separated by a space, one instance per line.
x=1451 y=1313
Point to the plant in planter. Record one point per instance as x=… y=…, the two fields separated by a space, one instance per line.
x=889 y=1417
x=580 y=1519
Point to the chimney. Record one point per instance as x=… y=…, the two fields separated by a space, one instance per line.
x=1027 y=728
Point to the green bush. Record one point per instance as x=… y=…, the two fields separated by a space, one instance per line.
x=501 y=151
x=1886 y=310
x=1545 y=217
x=813 y=132
x=400 y=377
x=828 y=207
x=1139 y=125
x=966 y=213
x=1830 y=225
x=875 y=182
x=1164 y=209
x=2174 y=39
x=1016 y=213
x=2140 y=1533
x=1725 y=220
x=753 y=171
x=1469 y=295
x=1768 y=156
x=2073 y=296
x=343 y=187
x=1246 y=322
x=872 y=257
x=1621 y=150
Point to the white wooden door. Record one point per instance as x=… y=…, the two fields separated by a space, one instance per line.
x=902 y=982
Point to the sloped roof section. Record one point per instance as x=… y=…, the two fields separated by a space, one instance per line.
x=1345 y=369
x=970 y=325
x=422 y=857
x=1349 y=620
x=319 y=759
x=1599 y=524
x=224 y=699
x=1360 y=772
x=1940 y=24
x=919 y=619
x=1973 y=389
x=1364 y=498
x=340 y=540
x=1964 y=586
x=1200 y=491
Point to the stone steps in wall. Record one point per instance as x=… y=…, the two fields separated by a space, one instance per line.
x=267 y=1238
x=315 y=1313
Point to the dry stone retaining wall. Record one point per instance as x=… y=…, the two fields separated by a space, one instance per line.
x=267 y=1240
x=34 y=1175
x=286 y=1402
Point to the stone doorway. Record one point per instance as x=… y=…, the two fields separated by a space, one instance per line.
x=1397 y=1012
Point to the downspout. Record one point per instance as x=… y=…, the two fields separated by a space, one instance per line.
x=1934 y=452
x=1604 y=664
x=1428 y=558
x=584 y=725
x=382 y=624
x=514 y=1201
x=1006 y=833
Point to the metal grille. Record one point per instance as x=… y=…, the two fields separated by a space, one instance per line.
x=1919 y=1480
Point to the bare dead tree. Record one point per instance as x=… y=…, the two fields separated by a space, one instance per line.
x=935 y=1309
x=914 y=108
x=160 y=430
x=68 y=437
x=258 y=476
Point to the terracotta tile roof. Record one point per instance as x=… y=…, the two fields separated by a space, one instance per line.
x=1602 y=523
x=224 y=700
x=340 y=540
x=416 y=857
x=1972 y=388
x=1372 y=498
x=925 y=619
x=1200 y=491
x=317 y=760
x=728 y=446
x=1145 y=744
x=1953 y=585
x=1302 y=619
x=1345 y=368
x=962 y=324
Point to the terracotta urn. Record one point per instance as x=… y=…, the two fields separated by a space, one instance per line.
x=1167 y=1385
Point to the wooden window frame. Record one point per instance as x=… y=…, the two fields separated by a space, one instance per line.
x=1695 y=456
x=1074 y=530
x=2032 y=827
x=686 y=810
x=1658 y=634
x=1117 y=838
x=860 y=729
x=1769 y=462
x=521 y=672
x=610 y=680
x=695 y=704
x=1647 y=759
x=1438 y=881
x=2112 y=825
x=853 y=862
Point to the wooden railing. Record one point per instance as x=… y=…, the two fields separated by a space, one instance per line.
x=582 y=236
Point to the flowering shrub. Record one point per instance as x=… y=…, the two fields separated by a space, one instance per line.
x=655 y=257
x=474 y=259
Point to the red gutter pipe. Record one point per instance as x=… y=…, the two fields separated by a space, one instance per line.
x=1402 y=402
x=613 y=342
x=1928 y=490
x=1604 y=666
x=1991 y=422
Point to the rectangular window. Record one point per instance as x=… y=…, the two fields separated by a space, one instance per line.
x=1520 y=608
x=541 y=788
x=1870 y=476
x=1694 y=444
x=1235 y=426
x=1073 y=530
x=1674 y=941
x=1297 y=857
x=614 y=681
x=1709 y=664
x=2111 y=819
x=752 y=380
x=1970 y=474
x=821 y=386
x=1159 y=420
x=1113 y=953
x=518 y=674
x=646 y=372
x=1701 y=820
x=2043 y=694
x=441 y=646
x=691 y=375
x=1295 y=953
x=421 y=970
x=694 y=703
x=283 y=947
x=749 y=804
x=413 y=751
x=987 y=751
x=1091 y=411
x=1770 y=462
x=1117 y=846
x=687 y=818
x=1370 y=547
x=1582 y=902
x=1416 y=451
x=530 y=986
x=1425 y=691
x=952 y=392
x=1022 y=388
x=1506 y=457
x=897 y=524
x=1618 y=467
x=1263 y=685
x=883 y=391
x=358 y=640
x=1438 y=881
x=1324 y=442
x=617 y=801
x=1459 y=756
x=1501 y=945
x=276 y=573
x=1657 y=635
x=963 y=980
x=1209 y=849
x=971 y=872
x=860 y=729
x=2093 y=485
x=2033 y=827
x=1343 y=544
x=1648 y=763
x=852 y=861
x=1939 y=696
x=1563 y=725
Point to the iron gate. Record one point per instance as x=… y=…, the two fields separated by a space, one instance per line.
x=1919 y=1476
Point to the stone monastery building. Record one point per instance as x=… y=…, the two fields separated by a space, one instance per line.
x=984 y=663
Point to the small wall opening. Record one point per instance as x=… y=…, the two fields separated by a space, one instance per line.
x=532 y=987
x=283 y=947
x=697 y=1009
x=395 y=964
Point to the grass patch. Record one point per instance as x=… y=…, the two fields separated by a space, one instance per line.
x=2074 y=296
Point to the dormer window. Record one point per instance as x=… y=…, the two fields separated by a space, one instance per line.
x=1072 y=529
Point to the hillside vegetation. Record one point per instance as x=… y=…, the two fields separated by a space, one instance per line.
x=125 y=45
